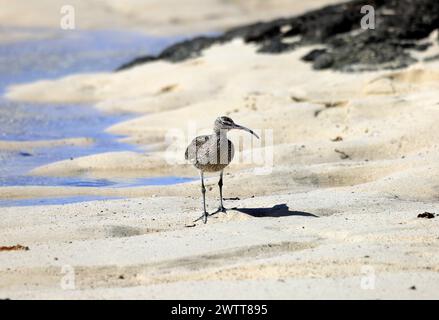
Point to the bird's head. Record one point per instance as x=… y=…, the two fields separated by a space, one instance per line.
x=225 y=123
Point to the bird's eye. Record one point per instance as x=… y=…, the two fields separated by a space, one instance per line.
x=226 y=120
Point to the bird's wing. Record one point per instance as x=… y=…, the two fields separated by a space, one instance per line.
x=196 y=144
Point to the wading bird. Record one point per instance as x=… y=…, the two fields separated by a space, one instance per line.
x=212 y=153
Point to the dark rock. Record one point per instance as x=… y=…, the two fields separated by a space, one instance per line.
x=313 y=55
x=399 y=24
x=180 y=51
x=426 y=215
x=276 y=46
x=323 y=61
x=136 y=61
x=433 y=58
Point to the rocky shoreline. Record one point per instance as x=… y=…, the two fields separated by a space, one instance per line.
x=346 y=46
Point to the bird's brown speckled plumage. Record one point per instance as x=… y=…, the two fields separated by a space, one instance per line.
x=212 y=153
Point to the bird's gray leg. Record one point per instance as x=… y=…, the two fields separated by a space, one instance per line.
x=203 y=191
x=221 y=207
x=220 y=184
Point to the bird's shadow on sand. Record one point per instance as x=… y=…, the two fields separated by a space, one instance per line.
x=279 y=210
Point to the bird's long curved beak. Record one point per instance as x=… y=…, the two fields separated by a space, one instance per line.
x=237 y=126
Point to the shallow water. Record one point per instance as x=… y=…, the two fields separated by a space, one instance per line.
x=71 y=51
x=65 y=52
x=50 y=201
x=27 y=122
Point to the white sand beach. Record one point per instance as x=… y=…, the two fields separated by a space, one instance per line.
x=354 y=161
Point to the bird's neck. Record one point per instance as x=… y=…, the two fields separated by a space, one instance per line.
x=220 y=134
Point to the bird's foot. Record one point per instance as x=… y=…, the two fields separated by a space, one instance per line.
x=220 y=209
x=204 y=217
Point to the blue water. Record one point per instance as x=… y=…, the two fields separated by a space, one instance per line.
x=51 y=201
x=72 y=51
x=65 y=52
